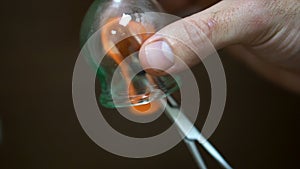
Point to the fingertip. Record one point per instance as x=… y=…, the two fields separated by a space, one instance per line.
x=156 y=57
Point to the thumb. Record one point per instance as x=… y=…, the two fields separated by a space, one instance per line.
x=226 y=23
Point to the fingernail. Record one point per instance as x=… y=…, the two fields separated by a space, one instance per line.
x=159 y=55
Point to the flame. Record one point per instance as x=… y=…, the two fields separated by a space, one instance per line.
x=146 y=109
x=113 y=32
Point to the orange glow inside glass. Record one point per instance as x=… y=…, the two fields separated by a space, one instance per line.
x=132 y=35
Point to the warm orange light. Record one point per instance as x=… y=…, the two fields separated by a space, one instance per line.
x=147 y=109
x=142 y=108
x=129 y=38
x=119 y=41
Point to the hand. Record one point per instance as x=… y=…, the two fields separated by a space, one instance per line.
x=264 y=33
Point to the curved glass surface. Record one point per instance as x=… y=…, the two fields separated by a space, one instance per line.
x=121 y=27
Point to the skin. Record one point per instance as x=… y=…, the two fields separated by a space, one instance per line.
x=265 y=34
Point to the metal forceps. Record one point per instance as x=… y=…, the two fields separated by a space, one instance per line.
x=192 y=135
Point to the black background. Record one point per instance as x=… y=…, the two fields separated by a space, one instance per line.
x=39 y=47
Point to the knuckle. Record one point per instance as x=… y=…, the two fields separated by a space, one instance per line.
x=259 y=14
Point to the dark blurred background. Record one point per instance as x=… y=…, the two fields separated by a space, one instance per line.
x=38 y=124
